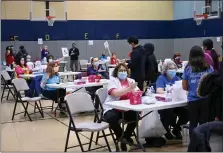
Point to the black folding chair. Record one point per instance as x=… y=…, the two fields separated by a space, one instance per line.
x=81 y=102
x=6 y=80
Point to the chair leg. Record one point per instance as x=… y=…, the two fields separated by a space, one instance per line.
x=79 y=141
x=26 y=110
x=13 y=115
x=91 y=138
x=39 y=110
x=55 y=112
x=8 y=94
x=106 y=140
x=3 y=92
x=97 y=137
x=112 y=135
x=67 y=140
x=13 y=94
x=52 y=105
x=35 y=108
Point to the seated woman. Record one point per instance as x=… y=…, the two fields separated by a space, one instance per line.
x=169 y=116
x=29 y=63
x=50 y=58
x=50 y=77
x=177 y=61
x=114 y=59
x=103 y=57
x=21 y=67
x=119 y=88
x=96 y=69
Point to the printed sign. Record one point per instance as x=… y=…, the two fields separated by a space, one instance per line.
x=90 y=42
x=40 y=41
x=65 y=52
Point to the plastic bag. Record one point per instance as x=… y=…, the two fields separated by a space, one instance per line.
x=151 y=126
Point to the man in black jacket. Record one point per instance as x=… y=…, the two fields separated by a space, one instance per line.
x=151 y=66
x=137 y=62
x=74 y=62
x=22 y=53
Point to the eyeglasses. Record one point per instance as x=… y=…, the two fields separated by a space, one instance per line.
x=122 y=70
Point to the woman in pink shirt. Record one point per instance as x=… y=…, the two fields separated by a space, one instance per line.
x=119 y=88
x=21 y=67
x=211 y=55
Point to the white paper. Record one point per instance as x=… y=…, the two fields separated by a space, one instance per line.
x=106 y=44
x=90 y=42
x=65 y=52
x=40 y=41
x=218 y=39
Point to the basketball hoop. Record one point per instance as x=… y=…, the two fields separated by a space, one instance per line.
x=200 y=17
x=50 y=20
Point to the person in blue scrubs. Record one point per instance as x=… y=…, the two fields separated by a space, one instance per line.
x=198 y=107
x=168 y=117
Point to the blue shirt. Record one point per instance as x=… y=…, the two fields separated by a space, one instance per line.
x=162 y=81
x=44 y=53
x=51 y=80
x=193 y=79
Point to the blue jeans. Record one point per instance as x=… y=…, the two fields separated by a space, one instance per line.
x=201 y=135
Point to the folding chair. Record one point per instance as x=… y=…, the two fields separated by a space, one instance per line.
x=6 y=86
x=81 y=102
x=101 y=95
x=83 y=65
x=19 y=86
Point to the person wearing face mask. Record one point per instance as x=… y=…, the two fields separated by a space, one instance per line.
x=103 y=57
x=177 y=60
x=96 y=69
x=44 y=52
x=50 y=58
x=21 y=67
x=137 y=62
x=51 y=77
x=119 y=88
x=198 y=107
x=168 y=117
x=29 y=63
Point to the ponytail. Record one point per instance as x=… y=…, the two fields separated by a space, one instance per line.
x=215 y=58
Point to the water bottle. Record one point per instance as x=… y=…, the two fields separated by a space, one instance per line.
x=168 y=93
x=65 y=68
x=148 y=92
x=152 y=91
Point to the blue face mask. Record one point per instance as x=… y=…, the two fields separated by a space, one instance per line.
x=171 y=73
x=122 y=75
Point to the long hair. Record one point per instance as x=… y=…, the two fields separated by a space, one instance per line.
x=17 y=61
x=48 y=57
x=197 y=60
x=208 y=44
x=50 y=68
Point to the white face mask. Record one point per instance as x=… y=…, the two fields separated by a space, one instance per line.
x=50 y=60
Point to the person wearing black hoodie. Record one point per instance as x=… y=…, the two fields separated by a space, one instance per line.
x=22 y=53
x=151 y=66
x=137 y=62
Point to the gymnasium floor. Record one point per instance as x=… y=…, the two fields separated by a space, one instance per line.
x=49 y=134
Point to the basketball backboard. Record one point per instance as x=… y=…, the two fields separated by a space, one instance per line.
x=39 y=10
x=212 y=8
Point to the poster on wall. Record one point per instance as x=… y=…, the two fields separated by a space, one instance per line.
x=106 y=44
x=90 y=42
x=40 y=41
x=218 y=39
x=65 y=52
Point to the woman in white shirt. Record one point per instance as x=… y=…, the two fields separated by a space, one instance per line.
x=119 y=88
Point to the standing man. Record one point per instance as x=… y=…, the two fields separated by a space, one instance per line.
x=74 y=53
x=137 y=62
x=44 y=52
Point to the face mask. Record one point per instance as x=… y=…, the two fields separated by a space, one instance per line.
x=122 y=75
x=96 y=64
x=171 y=73
x=50 y=60
x=28 y=60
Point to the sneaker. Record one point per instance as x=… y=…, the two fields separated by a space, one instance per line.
x=169 y=136
x=177 y=134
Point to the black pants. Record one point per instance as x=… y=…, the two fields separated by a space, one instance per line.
x=113 y=116
x=168 y=118
x=55 y=94
x=198 y=113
